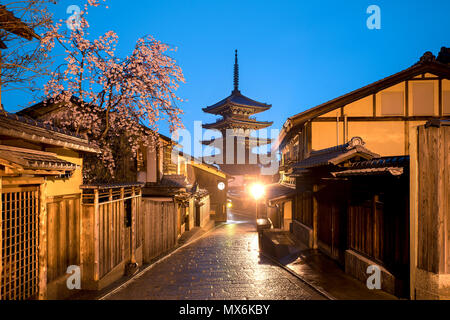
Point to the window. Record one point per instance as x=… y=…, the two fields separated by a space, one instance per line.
x=295 y=155
x=392 y=103
x=423 y=99
x=303 y=208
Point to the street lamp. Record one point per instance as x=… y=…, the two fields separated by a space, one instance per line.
x=257 y=191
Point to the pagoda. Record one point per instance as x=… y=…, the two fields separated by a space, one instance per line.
x=236 y=123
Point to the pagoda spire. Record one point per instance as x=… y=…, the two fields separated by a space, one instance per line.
x=236 y=72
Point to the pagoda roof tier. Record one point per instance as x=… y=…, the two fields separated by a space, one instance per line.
x=237 y=103
x=258 y=141
x=233 y=123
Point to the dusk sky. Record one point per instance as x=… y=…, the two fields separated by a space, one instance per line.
x=292 y=54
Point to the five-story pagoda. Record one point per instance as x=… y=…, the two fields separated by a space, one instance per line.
x=235 y=126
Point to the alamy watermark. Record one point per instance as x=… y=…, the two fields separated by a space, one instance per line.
x=239 y=146
x=374 y=280
x=74 y=280
x=374 y=20
x=74 y=21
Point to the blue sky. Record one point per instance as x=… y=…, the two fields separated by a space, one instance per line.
x=292 y=54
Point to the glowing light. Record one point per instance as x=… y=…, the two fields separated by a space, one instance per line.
x=260 y=221
x=229 y=205
x=257 y=191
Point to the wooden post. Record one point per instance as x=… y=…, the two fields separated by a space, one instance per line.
x=96 y=237
x=1 y=232
x=110 y=214
x=133 y=226
x=1 y=107
x=315 y=208
x=42 y=241
x=122 y=219
x=374 y=230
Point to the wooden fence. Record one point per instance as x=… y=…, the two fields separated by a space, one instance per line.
x=159 y=227
x=63 y=234
x=111 y=232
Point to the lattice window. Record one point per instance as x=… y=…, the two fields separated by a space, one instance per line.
x=20 y=240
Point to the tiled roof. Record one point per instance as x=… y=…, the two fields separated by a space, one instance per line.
x=383 y=162
x=237 y=99
x=37 y=160
x=444 y=55
x=234 y=122
x=248 y=139
x=174 y=181
x=394 y=166
x=334 y=155
x=24 y=128
x=437 y=123
x=112 y=185
x=276 y=191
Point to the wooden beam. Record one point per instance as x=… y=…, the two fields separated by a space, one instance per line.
x=315 y=208
x=122 y=219
x=8 y=181
x=1 y=232
x=96 y=237
x=43 y=241
x=441 y=106
x=374 y=105
x=133 y=226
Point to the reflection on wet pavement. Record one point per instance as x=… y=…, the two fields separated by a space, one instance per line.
x=225 y=264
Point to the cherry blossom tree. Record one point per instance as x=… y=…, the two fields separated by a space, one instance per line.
x=22 y=60
x=116 y=102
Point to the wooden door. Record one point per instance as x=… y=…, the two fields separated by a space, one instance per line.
x=332 y=225
x=19 y=243
x=197 y=216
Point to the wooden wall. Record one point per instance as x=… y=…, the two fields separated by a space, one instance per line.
x=303 y=209
x=159 y=227
x=433 y=154
x=203 y=212
x=365 y=228
x=110 y=232
x=63 y=232
x=111 y=236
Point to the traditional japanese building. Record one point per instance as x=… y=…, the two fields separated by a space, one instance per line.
x=236 y=124
x=360 y=200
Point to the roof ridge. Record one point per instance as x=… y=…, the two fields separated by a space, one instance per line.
x=40 y=124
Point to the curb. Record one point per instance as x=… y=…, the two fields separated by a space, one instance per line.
x=141 y=272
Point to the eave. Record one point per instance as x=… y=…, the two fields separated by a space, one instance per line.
x=236 y=123
x=257 y=141
x=236 y=99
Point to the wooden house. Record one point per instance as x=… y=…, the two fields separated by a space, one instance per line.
x=208 y=177
x=360 y=216
x=41 y=174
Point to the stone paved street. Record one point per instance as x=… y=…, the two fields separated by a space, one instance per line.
x=223 y=265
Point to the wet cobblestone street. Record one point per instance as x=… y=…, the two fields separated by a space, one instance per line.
x=225 y=264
